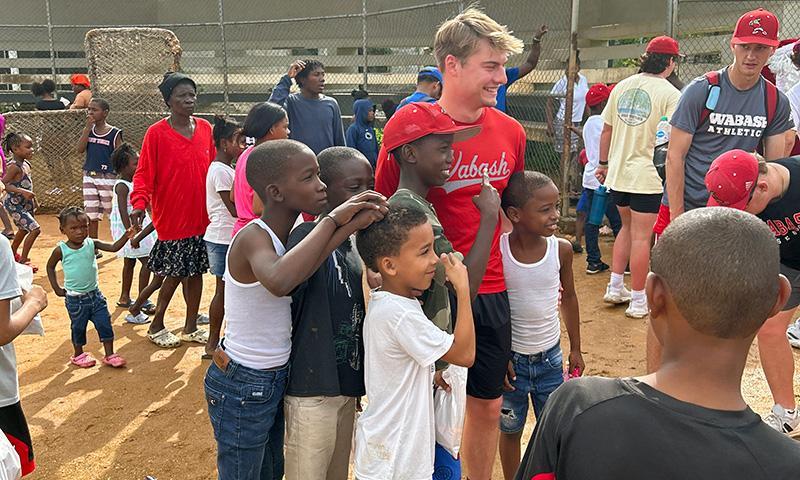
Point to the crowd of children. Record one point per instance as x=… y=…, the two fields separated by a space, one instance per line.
x=461 y=250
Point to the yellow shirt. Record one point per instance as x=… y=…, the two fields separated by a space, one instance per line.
x=633 y=111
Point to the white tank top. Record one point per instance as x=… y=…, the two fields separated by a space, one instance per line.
x=533 y=296
x=258 y=331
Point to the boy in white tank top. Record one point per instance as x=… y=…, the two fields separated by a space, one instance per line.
x=536 y=265
x=245 y=385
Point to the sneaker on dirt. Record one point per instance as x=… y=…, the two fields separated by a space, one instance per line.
x=593 y=268
x=617 y=297
x=793 y=334
x=782 y=420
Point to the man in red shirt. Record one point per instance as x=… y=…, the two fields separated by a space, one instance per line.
x=471 y=50
x=170 y=179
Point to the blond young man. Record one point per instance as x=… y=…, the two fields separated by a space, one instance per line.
x=471 y=50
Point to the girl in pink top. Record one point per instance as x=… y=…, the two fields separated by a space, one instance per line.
x=265 y=121
x=8 y=228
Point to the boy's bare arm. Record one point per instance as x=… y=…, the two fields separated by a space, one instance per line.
x=13 y=324
x=462 y=352
x=488 y=203
x=569 y=307
x=52 y=262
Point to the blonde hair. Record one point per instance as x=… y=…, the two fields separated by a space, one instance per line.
x=460 y=36
x=762 y=164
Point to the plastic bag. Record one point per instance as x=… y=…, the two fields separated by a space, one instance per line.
x=25 y=280
x=10 y=467
x=449 y=409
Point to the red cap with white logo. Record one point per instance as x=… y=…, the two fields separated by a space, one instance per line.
x=731 y=179
x=419 y=119
x=758 y=26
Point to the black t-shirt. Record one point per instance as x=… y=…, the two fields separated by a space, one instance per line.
x=50 y=105
x=783 y=217
x=327 y=320
x=612 y=429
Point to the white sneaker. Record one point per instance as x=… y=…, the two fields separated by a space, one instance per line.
x=782 y=420
x=139 y=319
x=617 y=297
x=637 y=309
x=793 y=334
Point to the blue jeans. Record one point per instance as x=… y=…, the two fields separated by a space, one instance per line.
x=538 y=375
x=87 y=307
x=246 y=411
x=592 y=232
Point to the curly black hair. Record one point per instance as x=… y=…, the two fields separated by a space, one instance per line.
x=311 y=65
x=121 y=156
x=46 y=86
x=655 y=63
x=224 y=129
x=385 y=238
x=68 y=212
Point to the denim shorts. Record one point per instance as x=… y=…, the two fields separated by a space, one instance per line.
x=216 y=257
x=86 y=307
x=538 y=375
x=246 y=411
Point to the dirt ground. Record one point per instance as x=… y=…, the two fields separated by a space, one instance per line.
x=150 y=418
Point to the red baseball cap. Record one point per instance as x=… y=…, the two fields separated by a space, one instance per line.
x=597 y=94
x=79 y=79
x=758 y=26
x=420 y=119
x=663 y=44
x=731 y=179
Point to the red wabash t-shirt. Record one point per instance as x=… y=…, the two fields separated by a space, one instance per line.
x=500 y=146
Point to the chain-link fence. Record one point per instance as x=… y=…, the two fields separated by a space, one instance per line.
x=238 y=50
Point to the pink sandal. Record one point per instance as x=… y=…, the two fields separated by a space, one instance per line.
x=84 y=360
x=114 y=360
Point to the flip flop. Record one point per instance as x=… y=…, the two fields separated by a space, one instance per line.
x=139 y=319
x=149 y=308
x=125 y=304
x=206 y=356
x=203 y=319
x=9 y=236
x=114 y=360
x=164 y=339
x=84 y=360
x=198 y=336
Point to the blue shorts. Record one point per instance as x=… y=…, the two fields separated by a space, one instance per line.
x=583 y=202
x=216 y=257
x=86 y=307
x=538 y=375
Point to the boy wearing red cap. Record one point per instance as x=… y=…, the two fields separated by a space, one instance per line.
x=635 y=108
x=80 y=86
x=596 y=99
x=740 y=180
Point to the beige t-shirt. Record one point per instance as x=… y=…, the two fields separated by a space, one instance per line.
x=82 y=99
x=633 y=111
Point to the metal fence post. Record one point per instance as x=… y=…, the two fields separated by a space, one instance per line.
x=221 y=4
x=672 y=17
x=566 y=151
x=364 y=41
x=50 y=43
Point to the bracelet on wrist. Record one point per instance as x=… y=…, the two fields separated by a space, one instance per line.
x=537 y=40
x=328 y=215
x=603 y=164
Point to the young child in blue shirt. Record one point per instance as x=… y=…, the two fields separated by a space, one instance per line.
x=84 y=300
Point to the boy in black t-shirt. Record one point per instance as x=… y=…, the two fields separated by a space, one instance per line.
x=770 y=190
x=327 y=376
x=714 y=281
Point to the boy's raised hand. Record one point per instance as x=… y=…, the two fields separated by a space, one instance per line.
x=455 y=271
x=488 y=201
x=295 y=68
x=368 y=200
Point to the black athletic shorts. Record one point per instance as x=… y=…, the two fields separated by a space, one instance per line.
x=14 y=426
x=638 y=202
x=492 y=316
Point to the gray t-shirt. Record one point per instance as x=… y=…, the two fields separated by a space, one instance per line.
x=317 y=123
x=9 y=289
x=738 y=121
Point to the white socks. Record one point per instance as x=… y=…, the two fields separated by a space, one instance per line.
x=617 y=281
x=638 y=296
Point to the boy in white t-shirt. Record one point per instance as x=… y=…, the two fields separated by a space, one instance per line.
x=395 y=435
x=536 y=264
x=222 y=216
x=596 y=99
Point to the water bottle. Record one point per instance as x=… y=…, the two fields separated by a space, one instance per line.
x=598 y=210
x=662 y=131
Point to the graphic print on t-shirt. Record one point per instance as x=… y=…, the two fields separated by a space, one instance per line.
x=736 y=125
x=634 y=106
x=466 y=172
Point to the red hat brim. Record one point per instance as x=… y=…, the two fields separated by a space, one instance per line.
x=755 y=39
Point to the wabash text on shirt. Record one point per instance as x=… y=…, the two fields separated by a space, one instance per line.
x=499 y=147
x=783 y=216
